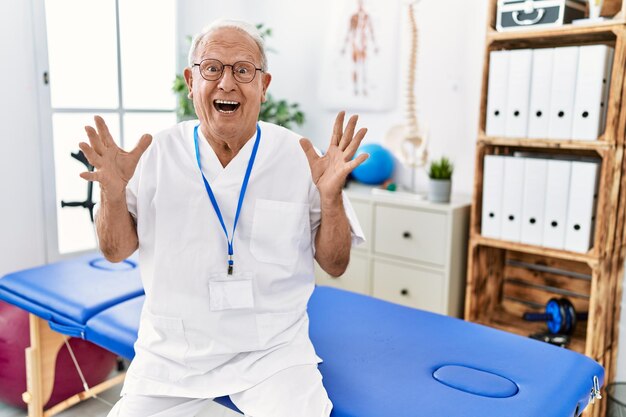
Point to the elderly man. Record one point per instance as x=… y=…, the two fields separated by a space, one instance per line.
x=227 y=216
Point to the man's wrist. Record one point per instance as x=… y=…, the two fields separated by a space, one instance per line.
x=117 y=197
x=331 y=201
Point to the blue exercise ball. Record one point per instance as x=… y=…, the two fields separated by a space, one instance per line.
x=376 y=169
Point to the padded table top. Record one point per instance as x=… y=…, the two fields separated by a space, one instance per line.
x=115 y=329
x=380 y=359
x=68 y=293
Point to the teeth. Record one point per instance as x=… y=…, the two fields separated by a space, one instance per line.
x=226 y=102
x=219 y=103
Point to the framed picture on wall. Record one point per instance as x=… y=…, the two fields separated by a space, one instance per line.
x=360 y=60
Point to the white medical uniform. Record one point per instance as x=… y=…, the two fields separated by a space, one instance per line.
x=201 y=336
x=296 y=391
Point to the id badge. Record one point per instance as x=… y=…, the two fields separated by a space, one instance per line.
x=230 y=292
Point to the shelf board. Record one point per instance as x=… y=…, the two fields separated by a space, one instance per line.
x=582 y=145
x=503 y=320
x=535 y=250
x=575 y=34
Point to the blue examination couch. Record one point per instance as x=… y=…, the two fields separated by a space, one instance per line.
x=380 y=359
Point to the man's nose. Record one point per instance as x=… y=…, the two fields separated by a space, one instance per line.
x=227 y=82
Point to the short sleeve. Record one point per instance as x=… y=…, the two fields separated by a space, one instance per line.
x=358 y=237
x=132 y=189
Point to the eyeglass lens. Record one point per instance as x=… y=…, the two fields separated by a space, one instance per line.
x=212 y=69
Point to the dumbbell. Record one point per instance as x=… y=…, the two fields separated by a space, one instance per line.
x=560 y=316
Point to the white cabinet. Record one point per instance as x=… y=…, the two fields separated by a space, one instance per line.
x=416 y=235
x=409 y=285
x=415 y=253
x=356 y=277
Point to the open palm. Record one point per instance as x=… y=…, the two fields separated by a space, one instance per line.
x=114 y=166
x=330 y=171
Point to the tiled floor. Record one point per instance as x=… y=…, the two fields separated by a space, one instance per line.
x=95 y=408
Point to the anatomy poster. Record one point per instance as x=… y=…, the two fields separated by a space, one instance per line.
x=359 y=70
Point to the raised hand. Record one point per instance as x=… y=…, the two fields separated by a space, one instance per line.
x=114 y=166
x=331 y=170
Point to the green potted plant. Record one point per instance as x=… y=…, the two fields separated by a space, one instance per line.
x=440 y=180
x=275 y=111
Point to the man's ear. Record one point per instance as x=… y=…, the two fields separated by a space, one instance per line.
x=187 y=73
x=267 y=79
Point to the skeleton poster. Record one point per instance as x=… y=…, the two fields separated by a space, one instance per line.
x=360 y=63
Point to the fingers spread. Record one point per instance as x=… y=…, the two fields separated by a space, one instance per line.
x=349 y=132
x=338 y=129
x=309 y=150
x=91 y=155
x=103 y=132
x=94 y=140
x=89 y=176
x=142 y=145
x=357 y=161
x=355 y=143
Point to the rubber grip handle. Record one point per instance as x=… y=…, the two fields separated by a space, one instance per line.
x=537 y=316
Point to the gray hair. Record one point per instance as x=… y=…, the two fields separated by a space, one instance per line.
x=241 y=26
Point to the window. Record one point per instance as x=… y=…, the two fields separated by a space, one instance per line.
x=115 y=58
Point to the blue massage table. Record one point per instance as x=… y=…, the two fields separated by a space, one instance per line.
x=380 y=359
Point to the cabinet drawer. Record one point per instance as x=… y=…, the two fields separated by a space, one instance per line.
x=415 y=235
x=356 y=277
x=409 y=286
x=363 y=212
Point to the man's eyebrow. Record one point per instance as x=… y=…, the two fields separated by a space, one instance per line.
x=246 y=57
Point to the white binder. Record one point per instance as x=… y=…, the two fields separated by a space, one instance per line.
x=533 y=201
x=540 y=88
x=520 y=66
x=491 y=218
x=594 y=70
x=497 y=92
x=581 y=206
x=555 y=213
x=605 y=90
x=513 y=188
x=563 y=92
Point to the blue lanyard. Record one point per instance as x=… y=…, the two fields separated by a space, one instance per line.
x=242 y=193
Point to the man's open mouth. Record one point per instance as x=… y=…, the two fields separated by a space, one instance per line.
x=226 y=106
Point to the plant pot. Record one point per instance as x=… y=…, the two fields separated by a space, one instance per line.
x=439 y=190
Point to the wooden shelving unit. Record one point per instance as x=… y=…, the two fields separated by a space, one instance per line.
x=505 y=279
x=567 y=34
x=598 y=146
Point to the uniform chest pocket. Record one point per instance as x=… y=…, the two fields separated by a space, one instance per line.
x=277 y=230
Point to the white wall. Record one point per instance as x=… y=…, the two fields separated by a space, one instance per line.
x=22 y=235
x=450 y=59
